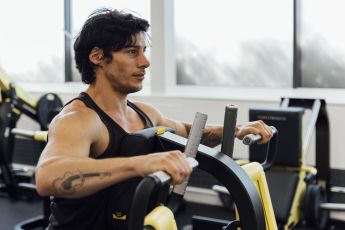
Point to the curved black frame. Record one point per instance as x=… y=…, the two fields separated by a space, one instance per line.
x=227 y=171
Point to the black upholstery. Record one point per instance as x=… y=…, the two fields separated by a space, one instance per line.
x=288 y=122
x=282 y=186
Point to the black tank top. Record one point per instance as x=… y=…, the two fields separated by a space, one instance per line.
x=108 y=208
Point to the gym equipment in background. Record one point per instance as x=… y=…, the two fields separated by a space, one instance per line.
x=16 y=179
x=306 y=189
x=41 y=221
x=41 y=110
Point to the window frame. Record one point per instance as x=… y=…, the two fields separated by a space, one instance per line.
x=163 y=63
x=68 y=40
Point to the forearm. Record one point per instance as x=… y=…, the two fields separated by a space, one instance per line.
x=80 y=177
x=212 y=136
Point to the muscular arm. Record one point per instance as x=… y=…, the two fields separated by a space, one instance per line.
x=212 y=134
x=66 y=170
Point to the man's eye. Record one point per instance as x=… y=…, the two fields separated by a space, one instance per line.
x=133 y=52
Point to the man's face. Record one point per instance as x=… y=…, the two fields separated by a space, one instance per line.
x=126 y=71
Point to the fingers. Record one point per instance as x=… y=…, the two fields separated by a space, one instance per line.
x=177 y=166
x=255 y=127
x=264 y=131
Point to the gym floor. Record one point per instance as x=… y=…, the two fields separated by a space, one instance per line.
x=15 y=211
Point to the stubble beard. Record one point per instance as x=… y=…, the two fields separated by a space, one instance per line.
x=124 y=89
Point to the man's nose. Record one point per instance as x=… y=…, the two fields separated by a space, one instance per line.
x=143 y=61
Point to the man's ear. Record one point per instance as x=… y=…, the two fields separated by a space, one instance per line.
x=96 y=56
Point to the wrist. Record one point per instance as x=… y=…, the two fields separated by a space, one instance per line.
x=134 y=166
x=237 y=129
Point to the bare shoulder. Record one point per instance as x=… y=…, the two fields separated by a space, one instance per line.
x=154 y=114
x=159 y=119
x=75 y=117
x=77 y=111
x=72 y=132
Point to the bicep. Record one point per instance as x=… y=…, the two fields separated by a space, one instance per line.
x=181 y=128
x=159 y=119
x=68 y=137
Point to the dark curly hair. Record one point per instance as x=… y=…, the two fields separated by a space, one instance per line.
x=109 y=30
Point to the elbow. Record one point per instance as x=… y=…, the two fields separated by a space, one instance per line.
x=43 y=190
x=43 y=186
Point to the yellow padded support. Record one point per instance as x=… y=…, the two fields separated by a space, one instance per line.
x=5 y=82
x=160 y=130
x=242 y=161
x=41 y=136
x=34 y=135
x=161 y=218
x=257 y=174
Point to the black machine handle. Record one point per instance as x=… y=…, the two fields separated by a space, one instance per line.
x=147 y=187
x=271 y=147
x=194 y=138
x=228 y=139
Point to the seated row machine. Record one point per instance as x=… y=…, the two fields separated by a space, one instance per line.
x=254 y=209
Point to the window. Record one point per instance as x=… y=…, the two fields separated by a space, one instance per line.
x=81 y=9
x=234 y=43
x=32 y=45
x=227 y=43
x=322 y=43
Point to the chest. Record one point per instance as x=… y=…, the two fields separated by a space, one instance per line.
x=113 y=130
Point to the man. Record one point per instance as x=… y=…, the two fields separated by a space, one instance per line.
x=82 y=166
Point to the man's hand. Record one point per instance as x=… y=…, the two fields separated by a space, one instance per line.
x=172 y=162
x=254 y=127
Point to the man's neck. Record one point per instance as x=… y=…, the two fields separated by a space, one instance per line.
x=107 y=99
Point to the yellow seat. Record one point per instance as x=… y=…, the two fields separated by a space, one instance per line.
x=161 y=218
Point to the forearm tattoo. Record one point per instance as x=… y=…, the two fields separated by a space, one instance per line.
x=70 y=182
x=210 y=138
